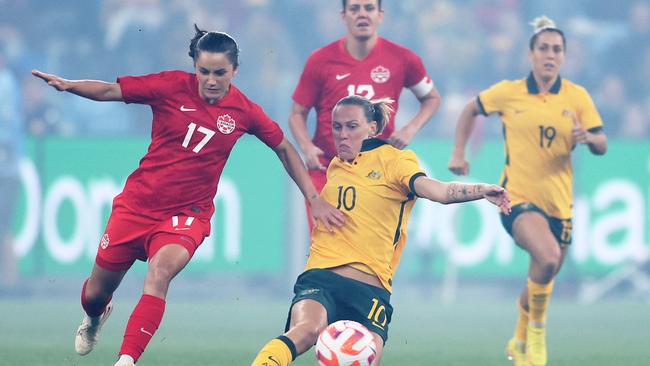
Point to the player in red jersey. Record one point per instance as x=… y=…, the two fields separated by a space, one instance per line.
x=360 y=63
x=163 y=213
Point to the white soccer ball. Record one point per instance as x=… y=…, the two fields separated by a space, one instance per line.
x=346 y=343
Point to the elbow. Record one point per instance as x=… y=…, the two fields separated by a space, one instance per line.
x=599 y=150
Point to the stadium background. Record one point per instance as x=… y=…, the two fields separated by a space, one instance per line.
x=234 y=294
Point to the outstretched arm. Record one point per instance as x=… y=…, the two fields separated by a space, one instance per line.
x=319 y=208
x=455 y=192
x=466 y=122
x=91 y=89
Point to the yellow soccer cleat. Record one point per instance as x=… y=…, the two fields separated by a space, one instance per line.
x=536 y=345
x=516 y=352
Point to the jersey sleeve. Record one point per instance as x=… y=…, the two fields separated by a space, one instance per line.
x=147 y=89
x=308 y=88
x=492 y=99
x=587 y=112
x=416 y=78
x=264 y=128
x=405 y=170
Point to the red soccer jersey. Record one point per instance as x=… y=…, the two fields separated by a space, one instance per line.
x=331 y=74
x=190 y=143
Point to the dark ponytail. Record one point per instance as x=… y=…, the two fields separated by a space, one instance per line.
x=219 y=42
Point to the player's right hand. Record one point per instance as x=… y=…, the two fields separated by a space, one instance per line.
x=458 y=165
x=312 y=158
x=324 y=213
x=57 y=82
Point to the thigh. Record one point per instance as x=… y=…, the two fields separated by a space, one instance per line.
x=123 y=240
x=168 y=261
x=532 y=232
x=312 y=285
x=186 y=231
x=363 y=303
x=308 y=311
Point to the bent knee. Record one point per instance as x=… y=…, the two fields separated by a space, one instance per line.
x=159 y=275
x=306 y=334
x=550 y=262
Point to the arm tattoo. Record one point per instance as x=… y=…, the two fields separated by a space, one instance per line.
x=460 y=192
x=451 y=192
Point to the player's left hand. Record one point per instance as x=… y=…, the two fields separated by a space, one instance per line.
x=324 y=213
x=402 y=137
x=580 y=135
x=498 y=196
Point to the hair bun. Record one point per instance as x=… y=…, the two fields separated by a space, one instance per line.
x=541 y=23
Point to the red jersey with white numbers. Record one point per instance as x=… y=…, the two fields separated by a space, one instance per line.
x=190 y=143
x=331 y=74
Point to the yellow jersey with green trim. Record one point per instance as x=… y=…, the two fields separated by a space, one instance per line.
x=376 y=193
x=537 y=130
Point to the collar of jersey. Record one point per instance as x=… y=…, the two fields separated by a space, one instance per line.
x=372 y=143
x=532 y=85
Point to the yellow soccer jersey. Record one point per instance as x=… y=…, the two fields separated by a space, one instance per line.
x=375 y=191
x=537 y=130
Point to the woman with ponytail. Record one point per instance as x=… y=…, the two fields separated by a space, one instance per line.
x=544 y=117
x=349 y=271
x=163 y=214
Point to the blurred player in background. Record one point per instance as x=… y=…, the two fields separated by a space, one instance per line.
x=544 y=118
x=361 y=63
x=163 y=214
x=12 y=137
x=349 y=271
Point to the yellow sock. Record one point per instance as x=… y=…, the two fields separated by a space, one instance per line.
x=522 y=324
x=278 y=352
x=539 y=296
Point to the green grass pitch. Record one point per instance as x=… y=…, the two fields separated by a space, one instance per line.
x=230 y=331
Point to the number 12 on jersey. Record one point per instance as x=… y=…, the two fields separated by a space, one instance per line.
x=190 y=131
x=364 y=90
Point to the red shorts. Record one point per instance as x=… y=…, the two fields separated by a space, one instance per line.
x=319 y=178
x=129 y=236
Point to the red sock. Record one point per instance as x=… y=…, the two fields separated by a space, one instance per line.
x=93 y=309
x=142 y=325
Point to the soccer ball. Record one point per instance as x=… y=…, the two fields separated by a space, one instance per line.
x=346 y=343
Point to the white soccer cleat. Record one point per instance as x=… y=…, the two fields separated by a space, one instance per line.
x=88 y=332
x=125 y=360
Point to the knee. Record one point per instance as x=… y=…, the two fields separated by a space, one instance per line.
x=550 y=262
x=159 y=275
x=96 y=291
x=307 y=335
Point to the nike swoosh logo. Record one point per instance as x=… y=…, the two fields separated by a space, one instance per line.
x=274 y=360
x=145 y=332
x=183 y=109
x=341 y=77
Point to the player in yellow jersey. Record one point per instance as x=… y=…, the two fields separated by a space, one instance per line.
x=350 y=268
x=544 y=117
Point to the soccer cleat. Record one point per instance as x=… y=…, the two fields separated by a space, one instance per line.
x=88 y=331
x=124 y=363
x=536 y=345
x=125 y=360
x=516 y=352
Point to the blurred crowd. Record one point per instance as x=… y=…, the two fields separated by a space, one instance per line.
x=466 y=46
